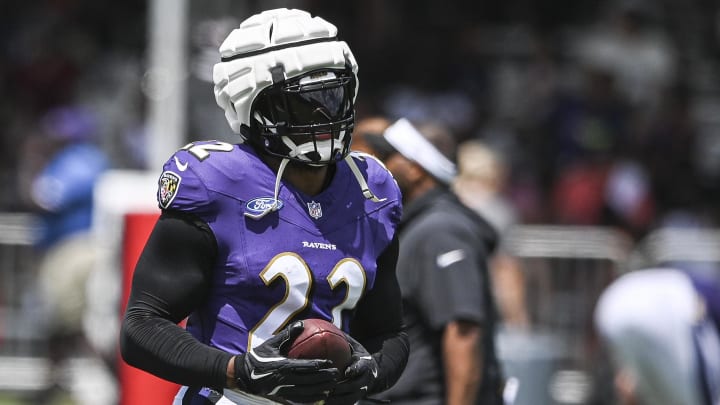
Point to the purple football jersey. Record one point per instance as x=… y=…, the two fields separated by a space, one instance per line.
x=314 y=257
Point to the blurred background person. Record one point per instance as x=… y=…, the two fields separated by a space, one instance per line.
x=481 y=184
x=661 y=326
x=627 y=43
x=365 y=128
x=443 y=273
x=65 y=165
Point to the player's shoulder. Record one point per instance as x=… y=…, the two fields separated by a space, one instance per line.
x=379 y=178
x=386 y=208
x=207 y=156
x=194 y=172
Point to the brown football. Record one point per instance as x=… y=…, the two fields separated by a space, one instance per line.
x=321 y=339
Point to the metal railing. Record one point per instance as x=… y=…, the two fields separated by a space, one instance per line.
x=25 y=368
x=17 y=276
x=564 y=269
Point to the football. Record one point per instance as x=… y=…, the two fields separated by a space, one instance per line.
x=321 y=339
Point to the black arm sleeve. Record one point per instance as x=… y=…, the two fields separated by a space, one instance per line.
x=378 y=322
x=170 y=280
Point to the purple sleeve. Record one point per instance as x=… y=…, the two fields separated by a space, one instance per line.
x=709 y=289
x=180 y=188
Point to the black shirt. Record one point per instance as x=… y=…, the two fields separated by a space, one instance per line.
x=443 y=275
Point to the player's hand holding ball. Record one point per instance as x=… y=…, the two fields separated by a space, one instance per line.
x=358 y=379
x=265 y=370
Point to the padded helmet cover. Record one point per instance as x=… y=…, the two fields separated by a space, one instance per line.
x=283 y=37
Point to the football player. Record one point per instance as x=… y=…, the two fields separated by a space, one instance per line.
x=661 y=328
x=284 y=226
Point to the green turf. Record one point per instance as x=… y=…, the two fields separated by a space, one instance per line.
x=9 y=399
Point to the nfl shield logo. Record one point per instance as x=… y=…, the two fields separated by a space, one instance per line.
x=314 y=209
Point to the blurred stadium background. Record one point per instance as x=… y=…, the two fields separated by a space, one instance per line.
x=605 y=117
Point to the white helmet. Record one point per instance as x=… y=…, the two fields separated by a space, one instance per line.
x=288 y=86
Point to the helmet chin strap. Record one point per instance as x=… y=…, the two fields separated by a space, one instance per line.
x=301 y=151
x=283 y=164
x=274 y=205
x=361 y=181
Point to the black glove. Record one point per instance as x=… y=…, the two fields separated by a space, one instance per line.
x=359 y=377
x=265 y=371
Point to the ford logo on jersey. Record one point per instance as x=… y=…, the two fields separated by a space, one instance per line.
x=259 y=205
